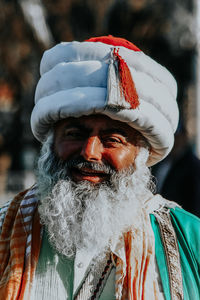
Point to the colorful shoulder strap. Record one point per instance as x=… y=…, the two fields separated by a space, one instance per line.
x=170 y=244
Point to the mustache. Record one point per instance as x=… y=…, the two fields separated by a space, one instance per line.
x=80 y=163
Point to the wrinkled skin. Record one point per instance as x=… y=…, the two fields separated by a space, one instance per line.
x=98 y=139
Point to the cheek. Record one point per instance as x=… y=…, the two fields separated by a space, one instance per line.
x=67 y=150
x=121 y=159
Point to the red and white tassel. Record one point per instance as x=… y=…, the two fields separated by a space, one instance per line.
x=127 y=86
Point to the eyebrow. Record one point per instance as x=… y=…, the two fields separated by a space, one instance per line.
x=114 y=130
x=74 y=125
x=77 y=125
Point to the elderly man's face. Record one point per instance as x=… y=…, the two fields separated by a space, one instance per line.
x=97 y=139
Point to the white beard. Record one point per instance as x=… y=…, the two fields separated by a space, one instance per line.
x=86 y=216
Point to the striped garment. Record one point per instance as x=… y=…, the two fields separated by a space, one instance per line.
x=20 y=242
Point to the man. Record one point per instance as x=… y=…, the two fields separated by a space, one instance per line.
x=91 y=227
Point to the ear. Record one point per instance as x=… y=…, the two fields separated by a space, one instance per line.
x=151 y=151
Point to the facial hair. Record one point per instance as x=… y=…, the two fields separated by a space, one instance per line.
x=87 y=216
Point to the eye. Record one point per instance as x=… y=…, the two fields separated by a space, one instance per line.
x=112 y=140
x=72 y=133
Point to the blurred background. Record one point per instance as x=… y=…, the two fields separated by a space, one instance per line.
x=167 y=30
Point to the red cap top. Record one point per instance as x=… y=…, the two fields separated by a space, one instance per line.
x=115 y=41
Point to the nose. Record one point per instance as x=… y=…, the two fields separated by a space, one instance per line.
x=92 y=149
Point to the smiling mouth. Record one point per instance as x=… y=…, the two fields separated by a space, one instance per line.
x=89 y=172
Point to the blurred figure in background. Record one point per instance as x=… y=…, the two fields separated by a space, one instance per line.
x=178 y=175
x=10 y=131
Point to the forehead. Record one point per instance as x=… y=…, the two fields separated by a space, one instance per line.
x=95 y=122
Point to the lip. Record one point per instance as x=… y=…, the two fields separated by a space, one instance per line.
x=88 y=174
x=91 y=171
